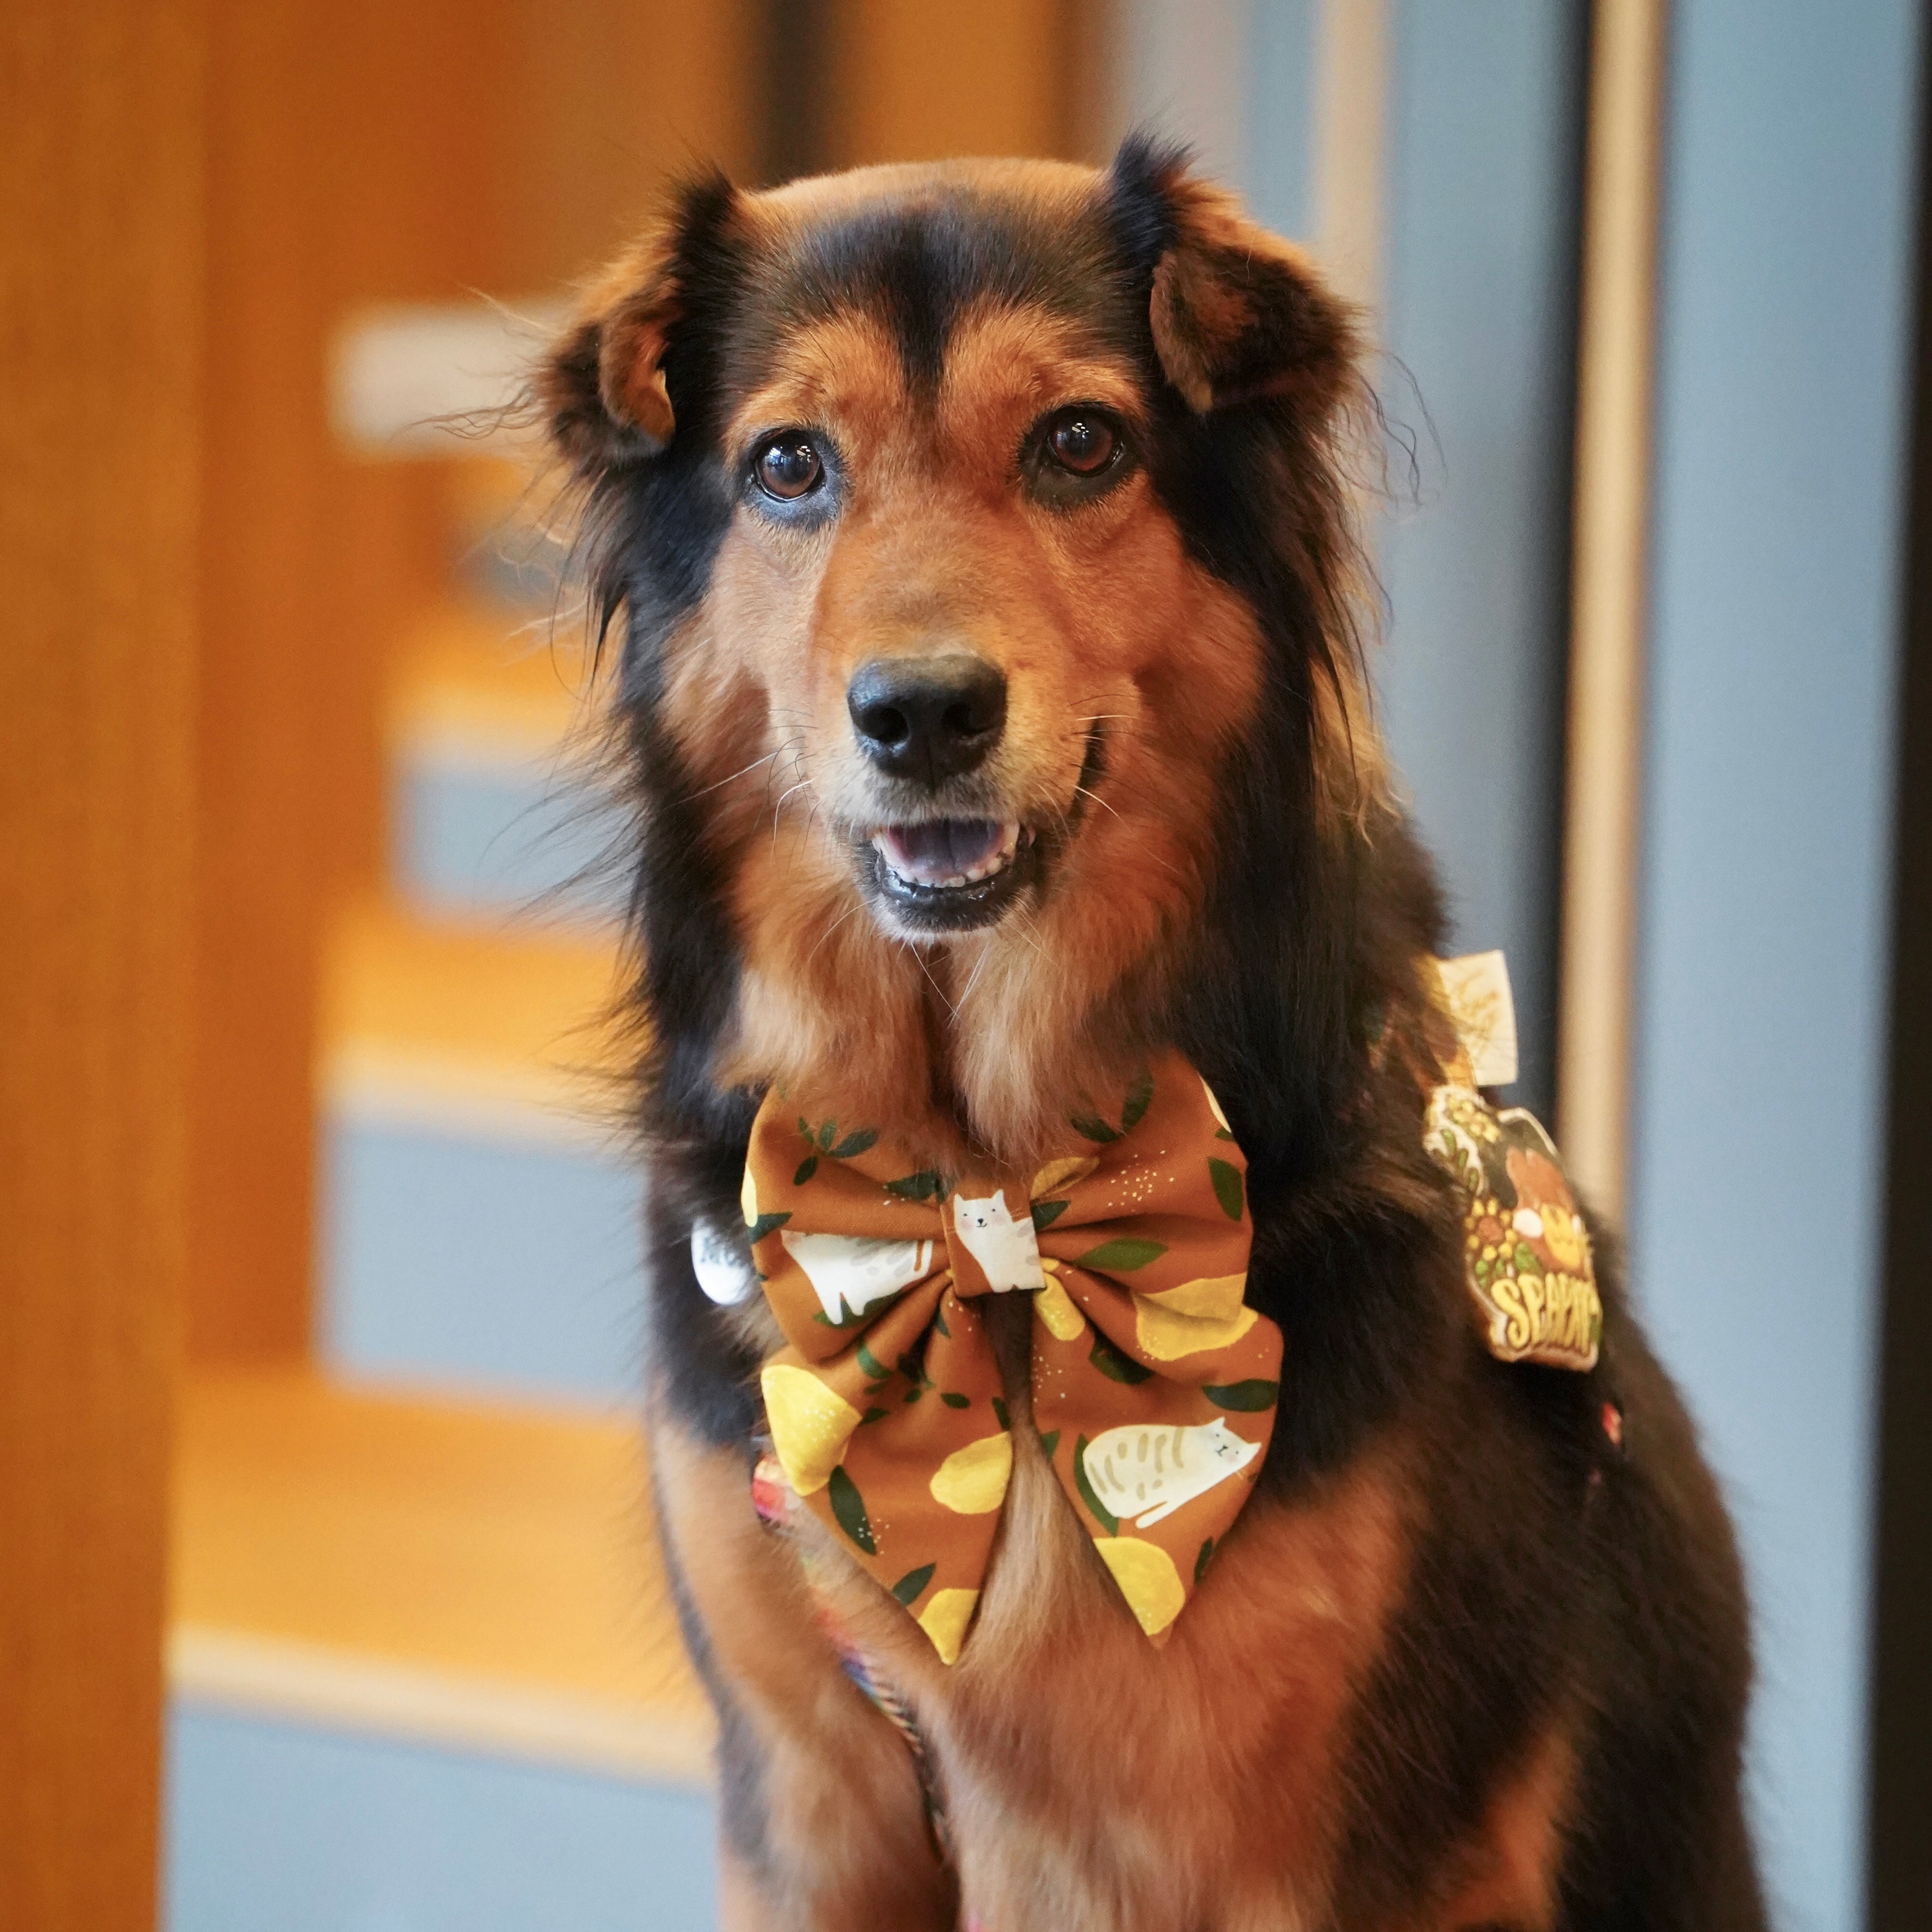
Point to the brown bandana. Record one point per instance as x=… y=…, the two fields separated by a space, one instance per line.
x=1154 y=1384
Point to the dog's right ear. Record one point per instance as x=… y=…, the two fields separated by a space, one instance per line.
x=603 y=387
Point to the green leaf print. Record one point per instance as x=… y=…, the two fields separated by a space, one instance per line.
x=925 y=1185
x=1093 y=1129
x=849 y=1317
x=1050 y=1441
x=1114 y=1366
x=807 y=1167
x=766 y=1224
x=1102 y=1514
x=1227 y=1179
x=1124 y=1252
x=1139 y=1096
x=848 y=1508
x=953 y=1399
x=939 y=1323
x=1201 y=1561
x=910 y=1587
x=870 y=1365
x=999 y=1410
x=1246 y=1398
x=853 y=1144
x=1045 y=1213
x=874 y=1415
x=827 y=1135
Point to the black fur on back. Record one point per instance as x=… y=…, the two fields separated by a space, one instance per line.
x=1552 y=1576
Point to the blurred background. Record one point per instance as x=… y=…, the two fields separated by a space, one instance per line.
x=330 y=1602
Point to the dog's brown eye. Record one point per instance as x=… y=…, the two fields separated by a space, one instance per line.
x=789 y=467
x=1081 y=441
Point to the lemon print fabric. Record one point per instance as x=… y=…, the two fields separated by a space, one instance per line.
x=973 y=1480
x=1153 y=1383
x=944 y=1620
x=1148 y=1580
x=810 y=1424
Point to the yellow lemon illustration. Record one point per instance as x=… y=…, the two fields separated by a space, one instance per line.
x=748 y=1198
x=973 y=1480
x=945 y=1618
x=1166 y=1333
x=810 y=1424
x=1058 y=1174
x=1148 y=1578
x=1054 y=1307
x=1218 y=1296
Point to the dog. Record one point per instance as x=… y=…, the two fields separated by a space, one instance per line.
x=982 y=542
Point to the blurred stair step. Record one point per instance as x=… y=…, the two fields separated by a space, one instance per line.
x=496 y=807
x=479 y=1209
x=424 y=1670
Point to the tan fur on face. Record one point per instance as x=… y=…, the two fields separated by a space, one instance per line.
x=1099 y=621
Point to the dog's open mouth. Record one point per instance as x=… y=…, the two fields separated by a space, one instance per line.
x=948 y=873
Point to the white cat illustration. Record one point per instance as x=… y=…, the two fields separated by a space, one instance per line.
x=851 y=1272
x=1148 y=1474
x=1005 y=1249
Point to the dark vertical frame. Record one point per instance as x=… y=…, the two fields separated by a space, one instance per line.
x=1900 y=1827
x=793 y=136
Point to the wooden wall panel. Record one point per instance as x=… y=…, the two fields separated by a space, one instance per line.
x=362 y=153
x=99 y=257
x=925 y=81
x=350 y=161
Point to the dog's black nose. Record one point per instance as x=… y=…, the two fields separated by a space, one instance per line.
x=928 y=718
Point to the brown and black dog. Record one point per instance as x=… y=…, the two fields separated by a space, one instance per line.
x=983 y=540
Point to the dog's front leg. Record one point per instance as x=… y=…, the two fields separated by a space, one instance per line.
x=823 y=1827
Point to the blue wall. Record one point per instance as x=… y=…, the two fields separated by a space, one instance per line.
x=1479 y=246
x=1479 y=280
x=1777 y=508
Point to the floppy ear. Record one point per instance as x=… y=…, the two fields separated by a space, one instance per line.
x=1238 y=314
x=603 y=387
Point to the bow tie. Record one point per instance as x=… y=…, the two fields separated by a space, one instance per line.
x=1153 y=1384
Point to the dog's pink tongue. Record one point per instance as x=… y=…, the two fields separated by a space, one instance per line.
x=940 y=849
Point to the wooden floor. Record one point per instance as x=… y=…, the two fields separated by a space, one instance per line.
x=482 y=1577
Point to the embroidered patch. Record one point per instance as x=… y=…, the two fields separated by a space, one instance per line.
x=1525 y=1251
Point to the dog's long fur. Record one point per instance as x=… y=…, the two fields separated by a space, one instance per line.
x=1463 y=1663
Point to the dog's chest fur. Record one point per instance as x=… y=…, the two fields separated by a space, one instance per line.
x=1139 y=1788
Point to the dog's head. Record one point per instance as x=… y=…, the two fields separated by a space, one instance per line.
x=984 y=557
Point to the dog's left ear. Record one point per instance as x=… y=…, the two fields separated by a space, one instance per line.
x=1237 y=313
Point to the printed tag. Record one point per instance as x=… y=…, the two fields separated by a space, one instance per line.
x=1476 y=994
x=1525 y=1251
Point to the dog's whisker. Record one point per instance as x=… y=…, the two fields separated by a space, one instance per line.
x=703 y=791
x=857 y=905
